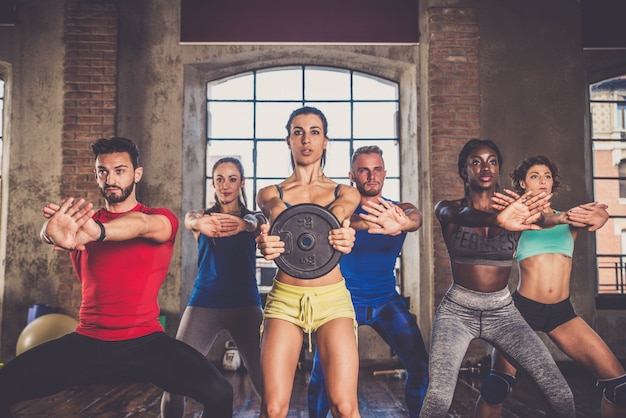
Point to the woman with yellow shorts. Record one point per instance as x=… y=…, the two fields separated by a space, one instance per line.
x=322 y=305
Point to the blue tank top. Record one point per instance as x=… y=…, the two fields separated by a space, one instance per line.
x=555 y=240
x=226 y=272
x=369 y=269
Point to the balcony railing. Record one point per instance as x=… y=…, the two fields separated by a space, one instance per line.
x=612 y=273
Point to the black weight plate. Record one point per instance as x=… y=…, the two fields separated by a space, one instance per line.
x=304 y=229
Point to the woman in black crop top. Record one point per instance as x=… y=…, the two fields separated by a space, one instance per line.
x=481 y=243
x=322 y=305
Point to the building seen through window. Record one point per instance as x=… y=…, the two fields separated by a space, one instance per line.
x=607 y=106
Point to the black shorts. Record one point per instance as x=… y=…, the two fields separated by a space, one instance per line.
x=542 y=317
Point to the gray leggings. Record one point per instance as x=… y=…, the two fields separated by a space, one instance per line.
x=464 y=315
x=199 y=328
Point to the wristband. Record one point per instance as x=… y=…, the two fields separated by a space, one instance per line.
x=103 y=233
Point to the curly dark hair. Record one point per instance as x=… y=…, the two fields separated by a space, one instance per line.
x=520 y=172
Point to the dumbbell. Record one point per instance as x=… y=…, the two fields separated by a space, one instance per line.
x=481 y=368
x=253 y=220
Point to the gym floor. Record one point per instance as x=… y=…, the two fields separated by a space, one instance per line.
x=380 y=396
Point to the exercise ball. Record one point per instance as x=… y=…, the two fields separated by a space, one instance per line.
x=44 y=328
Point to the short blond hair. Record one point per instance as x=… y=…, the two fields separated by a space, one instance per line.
x=367 y=149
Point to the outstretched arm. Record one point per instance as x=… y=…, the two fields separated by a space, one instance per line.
x=517 y=214
x=63 y=224
x=593 y=214
x=386 y=218
x=213 y=225
x=131 y=225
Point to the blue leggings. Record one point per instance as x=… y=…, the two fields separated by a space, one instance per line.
x=78 y=360
x=398 y=327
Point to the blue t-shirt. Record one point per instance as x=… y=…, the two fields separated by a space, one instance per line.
x=369 y=269
x=226 y=272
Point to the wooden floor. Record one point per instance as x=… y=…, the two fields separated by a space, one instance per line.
x=379 y=397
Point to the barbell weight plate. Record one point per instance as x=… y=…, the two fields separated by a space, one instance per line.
x=304 y=229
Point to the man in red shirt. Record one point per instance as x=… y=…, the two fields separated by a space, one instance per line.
x=121 y=255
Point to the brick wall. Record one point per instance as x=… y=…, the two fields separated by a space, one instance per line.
x=454 y=103
x=89 y=107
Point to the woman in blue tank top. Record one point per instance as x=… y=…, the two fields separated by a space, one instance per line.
x=225 y=294
x=542 y=296
x=481 y=242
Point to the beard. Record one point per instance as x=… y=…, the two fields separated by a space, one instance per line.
x=113 y=198
x=367 y=192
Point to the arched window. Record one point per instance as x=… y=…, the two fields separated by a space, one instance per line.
x=247 y=113
x=608 y=139
x=246 y=116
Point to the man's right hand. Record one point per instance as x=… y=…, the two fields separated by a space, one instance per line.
x=64 y=223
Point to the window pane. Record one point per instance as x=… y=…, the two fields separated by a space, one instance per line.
x=391 y=189
x=601 y=114
x=240 y=87
x=272 y=117
x=391 y=154
x=326 y=84
x=261 y=183
x=610 y=247
x=273 y=159
x=279 y=84
x=338 y=116
x=230 y=120
x=241 y=150
x=375 y=120
x=337 y=159
x=367 y=87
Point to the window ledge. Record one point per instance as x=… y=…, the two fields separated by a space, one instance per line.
x=617 y=302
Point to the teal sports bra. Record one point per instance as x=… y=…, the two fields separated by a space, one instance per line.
x=555 y=240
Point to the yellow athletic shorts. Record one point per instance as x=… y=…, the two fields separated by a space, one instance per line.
x=309 y=307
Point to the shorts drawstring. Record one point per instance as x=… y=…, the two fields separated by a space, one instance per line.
x=307 y=316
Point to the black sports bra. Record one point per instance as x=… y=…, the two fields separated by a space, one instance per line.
x=466 y=246
x=280 y=194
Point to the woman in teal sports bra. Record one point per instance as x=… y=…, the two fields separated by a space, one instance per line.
x=296 y=306
x=545 y=263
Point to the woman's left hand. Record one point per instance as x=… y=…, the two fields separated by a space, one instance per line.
x=591 y=214
x=342 y=239
x=270 y=246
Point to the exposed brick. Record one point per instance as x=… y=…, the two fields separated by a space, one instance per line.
x=90 y=70
x=454 y=104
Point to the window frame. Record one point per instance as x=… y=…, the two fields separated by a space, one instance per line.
x=255 y=181
x=415 y=151
x=613 y=134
